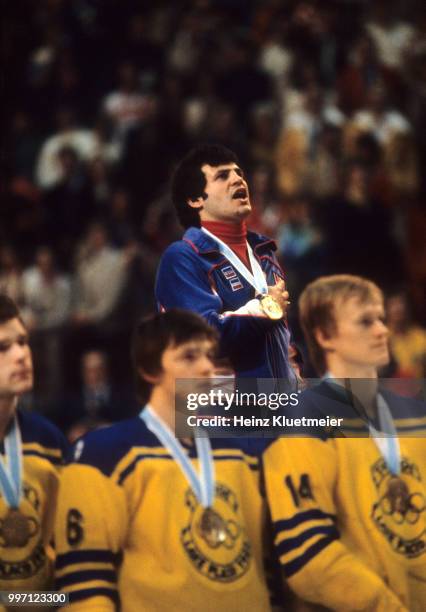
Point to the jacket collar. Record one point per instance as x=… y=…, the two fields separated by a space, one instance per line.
x=205 y=245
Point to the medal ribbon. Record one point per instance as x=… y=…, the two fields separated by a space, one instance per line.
x=11 y=471
x=389 y=446
x=202 y=484
x=257 y=279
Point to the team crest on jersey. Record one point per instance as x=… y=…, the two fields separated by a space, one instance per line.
x=22 y=553
x=214 y=539
x=400 y=511
x=231 y=276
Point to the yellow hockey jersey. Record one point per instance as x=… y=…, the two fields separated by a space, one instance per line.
x=343 y=540
x=26 y=560
x=128 y=528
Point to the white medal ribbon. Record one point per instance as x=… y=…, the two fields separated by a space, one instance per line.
x=11 y=467
x=389 y=446
x=257 y=279
x=203 y=485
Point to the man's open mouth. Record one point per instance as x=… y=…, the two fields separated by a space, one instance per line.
x=240 y=194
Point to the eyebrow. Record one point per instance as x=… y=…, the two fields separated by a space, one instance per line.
x=237 y=169
x=14 y=338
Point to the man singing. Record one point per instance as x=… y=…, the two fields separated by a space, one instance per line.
x=222 y=271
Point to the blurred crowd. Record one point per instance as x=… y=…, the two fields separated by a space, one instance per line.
x=324 y=102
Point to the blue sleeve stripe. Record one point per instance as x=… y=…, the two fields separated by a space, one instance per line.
x=294 y=566
x=86 y=593
x=291 y=544
x=86 y=556
x=301 y=517
x=85 y=576
x=54 y=460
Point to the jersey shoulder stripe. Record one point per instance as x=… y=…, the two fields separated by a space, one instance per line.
x=41 y=438
x=108 y=447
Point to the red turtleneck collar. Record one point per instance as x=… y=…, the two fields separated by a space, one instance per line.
x=232 y=234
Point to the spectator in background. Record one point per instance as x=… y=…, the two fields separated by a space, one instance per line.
x=100 y=277
x=357 y=230
x=47 y=295
x=407 y=340
x=378 y=118
x=119 y=220
x=49 y=170
x=262 y=134
x=11 y=274
x=361 y=72
x=391 y=35
x=242 y=84
x=267 y=208
x=68 y=206
x=300 y=243
x=98 y=402
x=298 y=145
x=127 y=106
x=100 y=282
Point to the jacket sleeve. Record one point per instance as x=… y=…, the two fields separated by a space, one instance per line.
x=182 y=283
x=300 y=478
x=89 y=538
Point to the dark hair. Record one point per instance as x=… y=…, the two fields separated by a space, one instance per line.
x=188 y=181
x=8 y=309
x=155 y=333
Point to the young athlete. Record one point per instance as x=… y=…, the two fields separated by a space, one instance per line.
x=350 y=512
x=31 y=452
x=150 y=522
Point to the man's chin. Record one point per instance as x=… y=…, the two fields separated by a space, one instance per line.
x=244 y=211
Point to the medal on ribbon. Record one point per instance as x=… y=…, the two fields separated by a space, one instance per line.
x=16 y=529
x=268 y=304
x=211 y=526
x=397 y=492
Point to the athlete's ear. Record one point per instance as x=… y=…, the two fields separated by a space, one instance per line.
x=324 y=339
x=197 y=203
x=152 y=379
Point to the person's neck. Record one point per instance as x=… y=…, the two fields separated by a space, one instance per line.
x=7 y=411
x=360 y=382
x=163 y=406
x=232 y=233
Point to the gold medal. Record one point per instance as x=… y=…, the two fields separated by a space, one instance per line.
x=271 y=307
x=398 y=494
x=212 y=528
x=16 y=529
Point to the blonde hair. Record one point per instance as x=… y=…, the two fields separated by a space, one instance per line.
x=317 y=305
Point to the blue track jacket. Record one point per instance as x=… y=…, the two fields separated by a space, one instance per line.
x=194 y=275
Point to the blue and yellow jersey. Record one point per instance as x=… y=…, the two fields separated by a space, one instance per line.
x=128 y=528
x=26 y=562
x=345 y=537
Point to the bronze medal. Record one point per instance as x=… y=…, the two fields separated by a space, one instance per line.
x=212 y=528
x=271 y=307
x=398 y=494
x=17 y=529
